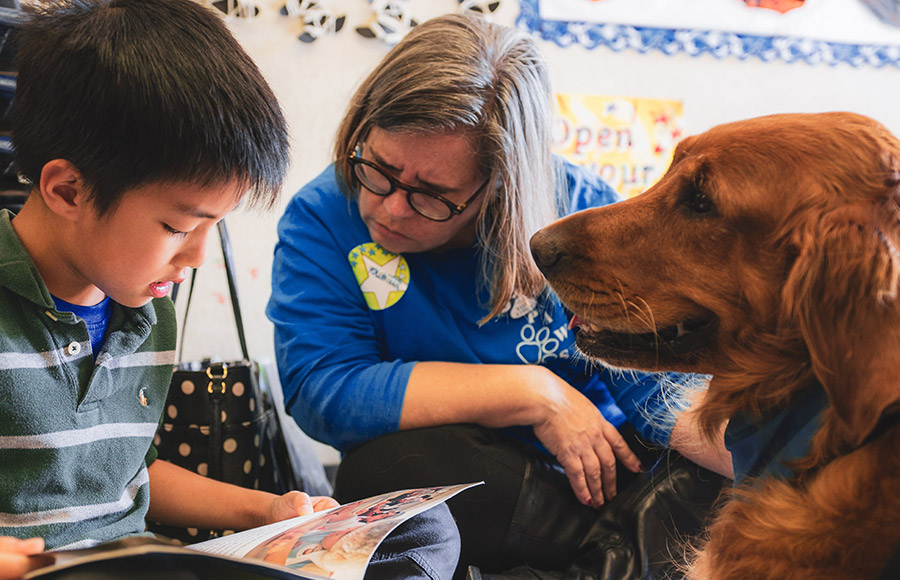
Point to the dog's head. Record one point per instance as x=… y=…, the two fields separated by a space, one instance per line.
x=769 y=250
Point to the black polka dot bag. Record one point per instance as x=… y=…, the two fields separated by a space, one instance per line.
x=220 y=420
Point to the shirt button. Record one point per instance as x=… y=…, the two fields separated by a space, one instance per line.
x=73 y=348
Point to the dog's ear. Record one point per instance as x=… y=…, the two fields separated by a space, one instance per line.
x=844 y=293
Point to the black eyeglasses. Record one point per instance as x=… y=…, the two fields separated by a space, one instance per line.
x=430 y=205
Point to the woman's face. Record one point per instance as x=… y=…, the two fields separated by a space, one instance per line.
x=442 y=163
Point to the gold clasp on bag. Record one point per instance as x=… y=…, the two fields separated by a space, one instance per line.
x=212 y=377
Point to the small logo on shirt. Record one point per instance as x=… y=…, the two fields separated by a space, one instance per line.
x=382 y=276
x=142 y=397
x=541 y=339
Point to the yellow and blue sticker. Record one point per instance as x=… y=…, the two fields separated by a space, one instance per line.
x=383 y=276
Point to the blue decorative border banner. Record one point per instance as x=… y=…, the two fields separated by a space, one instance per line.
x=696 y=42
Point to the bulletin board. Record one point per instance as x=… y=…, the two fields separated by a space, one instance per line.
x=851 y=32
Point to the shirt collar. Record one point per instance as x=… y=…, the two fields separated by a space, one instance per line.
x=18 y=272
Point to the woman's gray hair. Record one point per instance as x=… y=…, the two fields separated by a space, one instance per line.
x=460 y=73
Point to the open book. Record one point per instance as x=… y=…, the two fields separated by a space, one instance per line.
x=332 y=544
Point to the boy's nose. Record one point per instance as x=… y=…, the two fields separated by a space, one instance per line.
x=194 y=251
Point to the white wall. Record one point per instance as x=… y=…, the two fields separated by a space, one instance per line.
x=314 y=81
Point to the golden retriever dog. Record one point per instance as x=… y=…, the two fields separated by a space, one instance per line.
x=767 y=256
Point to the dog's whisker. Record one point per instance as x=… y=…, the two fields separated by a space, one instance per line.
x=647 y=313
x=651 y=323
x=631 y=308
x=624 y=301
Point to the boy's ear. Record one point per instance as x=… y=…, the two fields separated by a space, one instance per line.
x=62 y=188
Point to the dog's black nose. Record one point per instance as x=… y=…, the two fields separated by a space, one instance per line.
x=544 y=250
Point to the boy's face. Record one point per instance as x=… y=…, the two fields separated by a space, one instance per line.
x=149 y=240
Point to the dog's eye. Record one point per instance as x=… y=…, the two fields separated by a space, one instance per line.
x=693 y=195
x=699 y=202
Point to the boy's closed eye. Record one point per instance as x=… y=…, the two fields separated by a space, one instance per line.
x=173 y=231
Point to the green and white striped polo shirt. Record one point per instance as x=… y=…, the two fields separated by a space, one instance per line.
x=75 y=433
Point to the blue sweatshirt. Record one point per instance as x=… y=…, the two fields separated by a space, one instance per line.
x=767 y=446
x=352 y=319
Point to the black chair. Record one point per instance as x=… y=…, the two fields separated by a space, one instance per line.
x=12 y=191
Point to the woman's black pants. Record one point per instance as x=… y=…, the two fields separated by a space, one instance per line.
x=526 y=511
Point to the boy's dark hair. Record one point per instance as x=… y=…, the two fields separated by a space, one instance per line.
x=134 y=92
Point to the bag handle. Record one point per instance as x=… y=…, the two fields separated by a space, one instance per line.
x=228 y=257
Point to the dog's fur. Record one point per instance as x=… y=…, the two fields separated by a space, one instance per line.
x=775 y=243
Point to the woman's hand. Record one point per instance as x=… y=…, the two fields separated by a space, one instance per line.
x=496 y=396
x=583 y=442
x=14 y=561
x=297 y=503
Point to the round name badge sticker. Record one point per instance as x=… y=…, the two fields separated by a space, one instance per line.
x=382 y=276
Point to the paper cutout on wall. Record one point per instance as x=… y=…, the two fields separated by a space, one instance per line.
x=777 y=5
x=237 y=8
x=391 y=21
x=317 y=18
x=483 y=7
x=855 y=32
x=628 y=141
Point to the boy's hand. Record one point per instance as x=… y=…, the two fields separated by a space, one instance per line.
x=14 y=561
x=297 y=503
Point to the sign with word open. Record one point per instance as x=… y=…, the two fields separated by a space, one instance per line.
x=628 y=141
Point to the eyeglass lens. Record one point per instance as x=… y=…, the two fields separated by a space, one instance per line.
x=380 y=184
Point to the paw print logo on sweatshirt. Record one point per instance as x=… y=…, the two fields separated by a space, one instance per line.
x=383 y=276
x=539 y=340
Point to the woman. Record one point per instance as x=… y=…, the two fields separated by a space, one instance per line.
x=413 y=330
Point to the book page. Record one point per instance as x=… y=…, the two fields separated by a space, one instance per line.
x=336 y=543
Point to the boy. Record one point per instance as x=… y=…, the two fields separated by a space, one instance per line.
x=139 y=125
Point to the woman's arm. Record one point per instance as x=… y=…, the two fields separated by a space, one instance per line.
x=565 y=421
x=688 y=440
x=662 y=406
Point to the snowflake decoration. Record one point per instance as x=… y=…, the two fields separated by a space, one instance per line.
x=237 y=8
x=392 y=20
x=483 y=7
x=317 y=19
